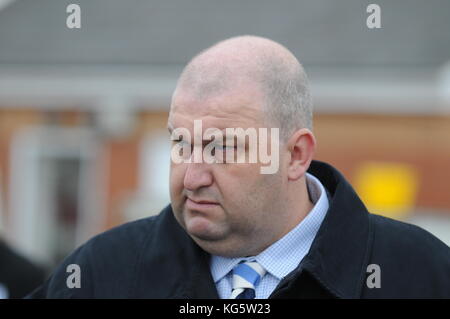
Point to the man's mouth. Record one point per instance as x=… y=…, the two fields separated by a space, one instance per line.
x=197 y=204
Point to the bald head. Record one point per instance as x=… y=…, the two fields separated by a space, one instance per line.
x=239 y=60
x=252 y=84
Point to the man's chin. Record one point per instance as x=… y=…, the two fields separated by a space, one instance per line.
x=219 y=247
x=203 y=229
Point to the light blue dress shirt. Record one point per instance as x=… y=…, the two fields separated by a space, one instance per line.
x=283 y=256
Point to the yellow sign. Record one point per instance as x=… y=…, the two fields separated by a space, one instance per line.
x=386 y=188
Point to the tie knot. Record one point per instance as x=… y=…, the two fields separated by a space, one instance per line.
x=246 y=276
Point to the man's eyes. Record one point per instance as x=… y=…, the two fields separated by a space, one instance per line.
x=180 y=141
x=215 y=145
x=225 y=147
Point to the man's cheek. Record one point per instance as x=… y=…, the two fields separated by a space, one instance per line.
x=176 y=176
x=242 y=171
x=176 y=190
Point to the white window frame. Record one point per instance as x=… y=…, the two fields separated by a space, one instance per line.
x=30 y=216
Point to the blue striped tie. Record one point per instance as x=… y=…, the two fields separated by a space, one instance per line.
x=246 y=277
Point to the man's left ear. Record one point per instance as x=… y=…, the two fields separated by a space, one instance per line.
x=301 y=147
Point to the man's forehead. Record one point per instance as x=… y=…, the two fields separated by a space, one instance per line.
x=228 y=104
x=179 y=121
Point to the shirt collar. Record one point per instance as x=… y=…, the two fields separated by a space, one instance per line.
x=291 y=248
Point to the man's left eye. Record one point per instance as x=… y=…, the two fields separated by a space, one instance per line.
x=226 y=147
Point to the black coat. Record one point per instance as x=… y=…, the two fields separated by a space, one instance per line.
x=155 y=258
x=17 y=274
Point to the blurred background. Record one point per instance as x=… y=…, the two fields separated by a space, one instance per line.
x=83 y=139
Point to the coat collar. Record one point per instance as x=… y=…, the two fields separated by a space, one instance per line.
x=339 y=254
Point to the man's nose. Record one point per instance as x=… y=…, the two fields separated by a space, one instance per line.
x=197 y=175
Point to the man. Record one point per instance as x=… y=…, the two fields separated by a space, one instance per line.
x=234 y=232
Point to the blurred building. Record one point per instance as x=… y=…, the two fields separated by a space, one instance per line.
x=83 y=138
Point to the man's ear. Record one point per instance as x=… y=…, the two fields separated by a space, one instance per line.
x=301 y=147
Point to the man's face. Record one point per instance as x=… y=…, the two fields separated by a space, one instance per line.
x=229 y=209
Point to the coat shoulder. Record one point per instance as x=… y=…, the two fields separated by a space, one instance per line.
x=105 y=262
x=400 y=235
x=413 y=262
x=129 y=234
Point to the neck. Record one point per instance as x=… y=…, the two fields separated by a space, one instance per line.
x=298 y=202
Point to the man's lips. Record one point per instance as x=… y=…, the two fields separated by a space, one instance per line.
x=200 y=203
